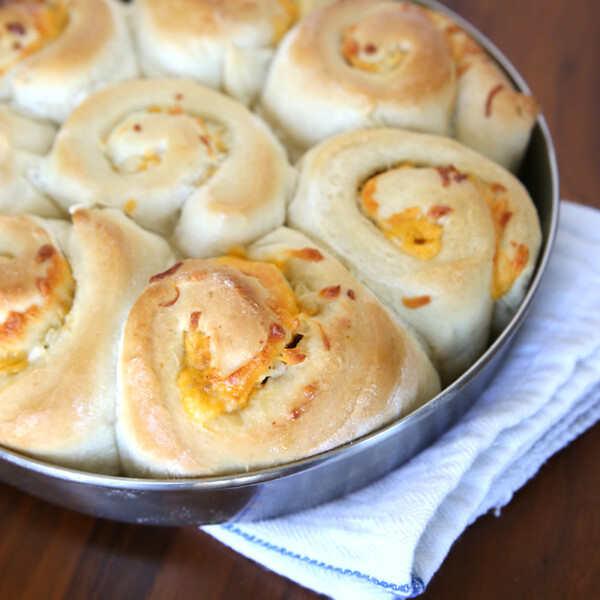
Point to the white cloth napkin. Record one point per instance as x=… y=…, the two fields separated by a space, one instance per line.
x=387 y=540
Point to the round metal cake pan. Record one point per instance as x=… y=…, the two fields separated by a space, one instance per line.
x=311 y=481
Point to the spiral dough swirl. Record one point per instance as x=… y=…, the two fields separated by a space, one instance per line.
x=241 y=363
x=356 y=64
x=445 y=237
x=58 y=340
x=178 y=158
x=53 y=53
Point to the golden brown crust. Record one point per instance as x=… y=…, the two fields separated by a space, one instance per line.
x=218 y=19
x=36 y=288
x=397 y=42
x=356 y=64
x=490 y=115
x=58 y=404
x=224 y=44
x=342 y=369
x=61 y=51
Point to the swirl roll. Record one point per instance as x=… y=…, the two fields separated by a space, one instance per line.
x=445 y=237
x=225 y=45
x=22 y=141
x=356 y=64
x=178 y=158
x=55 y=52
x=490 y=116
x=59 y=330
x=234 y=363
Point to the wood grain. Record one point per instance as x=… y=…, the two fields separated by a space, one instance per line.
x=546 y=543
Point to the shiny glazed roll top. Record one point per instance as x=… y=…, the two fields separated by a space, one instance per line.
x=178 y=158
x=64 y=295
x=355 y=64
x=224 y=44
x=238 y=363
x=446 y=238
x=53 y=53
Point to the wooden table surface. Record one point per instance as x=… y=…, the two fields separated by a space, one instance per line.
x=546 y=544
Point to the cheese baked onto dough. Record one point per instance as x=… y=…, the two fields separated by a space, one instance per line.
x=355 y=64
x=445 y=237
x=65 y=291
x=224 y=44
x=234 y=364
x=53 y=53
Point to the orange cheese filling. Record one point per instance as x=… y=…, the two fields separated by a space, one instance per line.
x=369 y=56
x=10 y=365
x=370 y=205
x=23 y=329
x=415 y=233
x=148 y=161
x=506 y=270
x=421 y=235
x=206 y=392
x=27 y=26
x=130 y=206
x=210 y=138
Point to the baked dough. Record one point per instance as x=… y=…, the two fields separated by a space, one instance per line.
x=238 y=363
x=441 y=234
x=64 y=295
x=356 y=64
x=178 y=158
x=276 y=353
x=490 y=116
x=224 y=44
x=22 y=141
x=55 y=52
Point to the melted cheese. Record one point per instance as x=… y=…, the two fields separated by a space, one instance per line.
x=415 y=234
x=506 y=269
x=130 y=206
x=206 y=392
x=27 y=26
x=141 y=142
x=148 y=161
x=10 y=365
x=49 y=286
x=369 y=57
x=421 y=235
x=370 y=205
